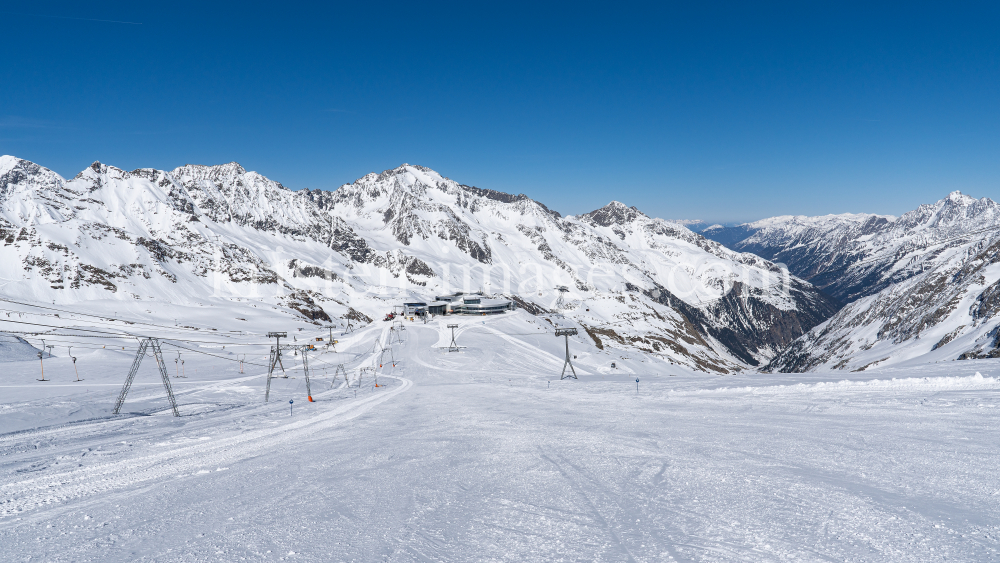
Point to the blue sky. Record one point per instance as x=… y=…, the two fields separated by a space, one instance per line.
x=718 y=111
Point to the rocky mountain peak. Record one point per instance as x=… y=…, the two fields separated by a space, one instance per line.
x=19 y=174
x=957 y=197
x=614 y=213
x=99 y=169
x=12 y=167
x=952 y=214
x=216 y=173
x=8 y=163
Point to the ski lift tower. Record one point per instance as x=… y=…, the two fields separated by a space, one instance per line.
x=567 y=332
x=274 y=360
x=560 y=302
x=332 y=344
x=453 y=347
x=305 y=370
x=152 y=344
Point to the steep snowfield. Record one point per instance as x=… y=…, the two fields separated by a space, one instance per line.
x=162 y=243
x=484 y=454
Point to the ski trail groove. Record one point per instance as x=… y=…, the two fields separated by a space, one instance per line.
x=22 y=496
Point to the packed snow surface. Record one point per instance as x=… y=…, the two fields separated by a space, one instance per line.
x=486 y=455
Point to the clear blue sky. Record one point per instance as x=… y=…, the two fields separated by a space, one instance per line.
x=719 y=111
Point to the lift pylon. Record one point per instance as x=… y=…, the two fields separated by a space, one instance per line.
x=453 y=347
x=340 y=370
x=305 y=369
x=144 y=345
x=274 y=360
x=567 y=332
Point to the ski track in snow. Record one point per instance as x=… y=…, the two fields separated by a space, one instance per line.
x=26 y=495
x=485 y=455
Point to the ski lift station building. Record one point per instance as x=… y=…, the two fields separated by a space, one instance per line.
x=460 y=304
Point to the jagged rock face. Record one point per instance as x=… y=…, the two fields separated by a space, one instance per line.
x=205 y=232
x=614 y=213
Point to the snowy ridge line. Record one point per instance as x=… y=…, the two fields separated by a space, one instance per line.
x=22 y=496
x=977 y=381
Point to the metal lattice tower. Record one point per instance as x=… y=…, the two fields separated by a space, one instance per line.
x=567 y=332
x=340 y=370
x=392 y=357
x=275 y=359
x=332 y=343
x=305 y=369
x=453 y=347
x=144 y=345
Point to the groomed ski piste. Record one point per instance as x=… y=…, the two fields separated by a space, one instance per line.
x=483 y=454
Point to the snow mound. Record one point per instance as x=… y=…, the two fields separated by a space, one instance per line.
x=16 y=349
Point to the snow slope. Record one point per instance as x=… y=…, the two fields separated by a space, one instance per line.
x=485 y=454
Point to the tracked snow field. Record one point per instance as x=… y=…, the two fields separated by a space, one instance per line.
x=485 y=455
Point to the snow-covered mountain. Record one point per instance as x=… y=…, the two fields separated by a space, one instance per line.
x=208 y=236
x=918 y=286
x=622 y=266
x=948 y=311
x=850 y=256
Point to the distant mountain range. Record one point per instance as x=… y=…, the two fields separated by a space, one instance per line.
x=915 y=287
x=859 y=290
x=209 y=235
